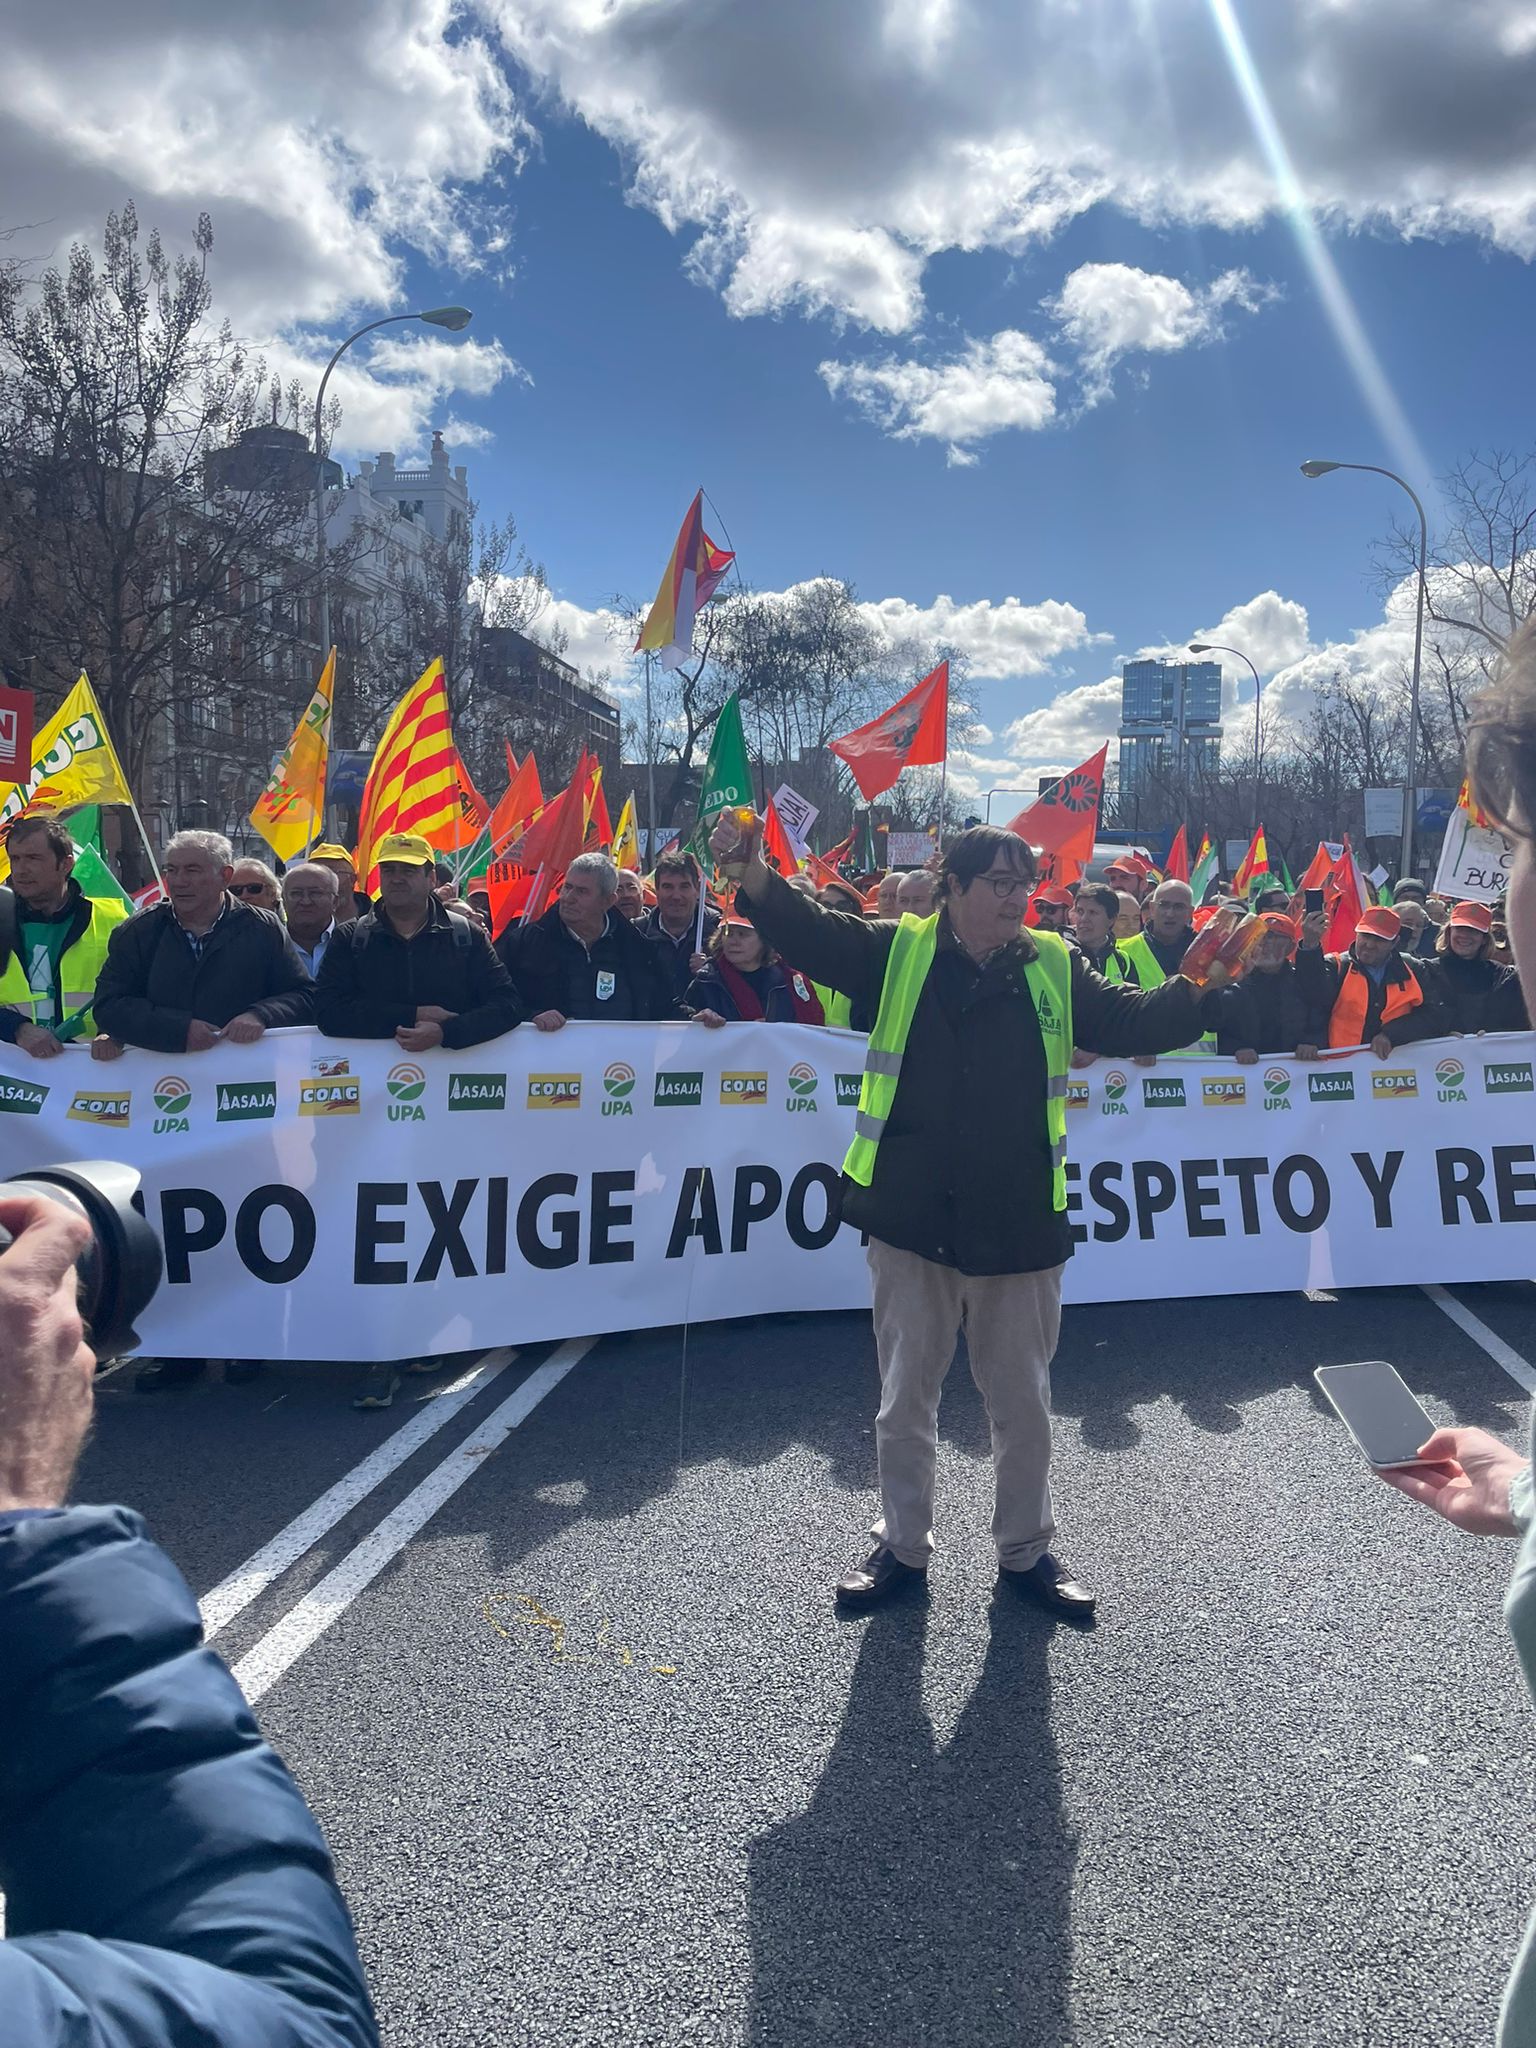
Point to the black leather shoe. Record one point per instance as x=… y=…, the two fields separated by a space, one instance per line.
x=1051 y=1586
x=882 y=1576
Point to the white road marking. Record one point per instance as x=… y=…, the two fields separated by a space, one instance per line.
x=232 y=1595
x=1502 y=1354
x=260 y=1669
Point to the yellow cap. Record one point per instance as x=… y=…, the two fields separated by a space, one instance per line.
x=405 y=846
x=329 y=850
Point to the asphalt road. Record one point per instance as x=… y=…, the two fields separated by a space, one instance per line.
x=599 y=1764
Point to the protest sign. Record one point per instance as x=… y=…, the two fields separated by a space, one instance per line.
x=1474 y=862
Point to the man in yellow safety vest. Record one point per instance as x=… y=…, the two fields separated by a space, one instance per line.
x=59 y=946
x=957 y=1174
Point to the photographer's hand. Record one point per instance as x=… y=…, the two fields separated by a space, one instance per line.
x=46 y=1368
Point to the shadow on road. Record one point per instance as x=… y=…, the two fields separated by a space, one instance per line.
x=925 y=1893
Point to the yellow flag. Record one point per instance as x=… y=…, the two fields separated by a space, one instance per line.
x=290 y=812
x=626 y=838
x=73 y=762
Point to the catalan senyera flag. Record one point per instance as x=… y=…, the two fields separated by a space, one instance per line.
x=688 y=583
x=73 y=762
x=626 y=838
x=1254 y=866
x=413 y=784
x=914 y=733
x=290 y=812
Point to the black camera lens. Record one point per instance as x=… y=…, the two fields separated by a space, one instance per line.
x=122 y=1266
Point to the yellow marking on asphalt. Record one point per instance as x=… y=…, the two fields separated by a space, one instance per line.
x=535 y=1615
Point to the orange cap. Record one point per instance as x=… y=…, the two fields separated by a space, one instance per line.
x=1476 y=916
x=1380 y=923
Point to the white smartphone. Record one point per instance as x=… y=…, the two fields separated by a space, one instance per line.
x=1377 y=1409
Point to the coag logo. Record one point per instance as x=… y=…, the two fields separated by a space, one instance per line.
x=172 y=1099
x=737 y=1089
x=679 y=1091
x=1393 y=1083
x=477 y=1091
x=1159 y=1091
x=1450 y=1081
x=336 y=1095
x=1115 y=1085
x=92 y=1107
x=405 y=1085
x=618 y=1086
x=802 y=1087
x=1507 y=1077
x=1224 y=1090
x=1077 y=1094
x=848 y=1086
x=329 y=1066
x=243 y=1102
x=554 y=1091
x=1331 y=1087
x=21 y=1098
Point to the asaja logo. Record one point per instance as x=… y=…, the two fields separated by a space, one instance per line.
x=477 y=1091
x=1159 y=1091
x=172 y=1099
x=554 y=1091
x=336 y=1094
x=1393 y=1083
x=618 y=1086
x=1331 y=1087
x=405 y=1085
x=21 y=1098
x=1224 y=1090
x=92 y=1107
x=802 y=1087
x=679 y=1091
x=848 y=1086
x=1077 y=1094
x=1115 y=1085
x=1450 y=1080
x=742 y=1088
x=1511 y=1077
x=245 y=1102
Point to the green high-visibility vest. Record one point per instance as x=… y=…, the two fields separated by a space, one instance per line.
x=79 y=970
x=1150 y=974
x=836 y=1008
x=1049 y=977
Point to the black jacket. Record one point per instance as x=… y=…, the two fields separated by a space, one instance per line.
x=963 y=1173
x=372 y=980
x=1264 y=1013
x=153 y=986
x=1320 y=977
x=678 y=953
x=710 y=991
x=1473 y=995
x=554 y=971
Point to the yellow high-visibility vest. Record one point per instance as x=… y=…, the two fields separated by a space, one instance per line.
x=79 y=967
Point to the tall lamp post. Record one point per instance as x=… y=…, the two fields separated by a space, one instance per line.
x=1311 y=469
x=1001 y=791
x=1215 y=647
x=454 y=318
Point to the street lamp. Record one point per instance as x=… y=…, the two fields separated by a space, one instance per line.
x=1002 y=791
x=454 y=318
x=1215 y=647
x=1312 y=469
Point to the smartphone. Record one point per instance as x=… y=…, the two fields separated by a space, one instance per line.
x=1377 y=1409
x=1313 y=900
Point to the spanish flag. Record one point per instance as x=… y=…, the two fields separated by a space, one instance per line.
x=1255 y=867
x=688 y=583
x=414 y=783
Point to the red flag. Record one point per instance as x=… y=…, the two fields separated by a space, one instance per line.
x=511 y=761
x=914 y=733
x=599 y=825
x=1062 y=823
x=778 y=847
x=839 y=853
x=1320 y=866
x=508 y=888
x=520 y=802
x=822 y=874
x=554 y=838
x=1345 y=900
x=1177 y=869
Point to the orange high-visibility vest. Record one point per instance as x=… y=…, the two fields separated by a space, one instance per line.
x=1346 y=1025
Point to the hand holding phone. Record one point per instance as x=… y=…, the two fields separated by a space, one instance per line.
x=1312 y=899
x=1374 y=1405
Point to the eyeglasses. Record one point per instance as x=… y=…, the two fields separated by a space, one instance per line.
x=1007 y=885
x=248 y=888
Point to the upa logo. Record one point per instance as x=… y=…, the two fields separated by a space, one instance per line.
x=679 y=1091
x=1160 y=1091
x=802 y=1087
x=1115 y=1085
x=245 y=1102
x=554 y=1091
x=618 y=1086
x=1393 y=1083
x=91 y=1106
x=1077 y=1094
x=1224 y=1090
x=848 y=1086
x=477 y=1091
x=405 y=1085
x=172 y=1099
x=334 y=1090
x=737 y=1089
x=1450 y=1081
x=1501 y=1077
x=1331 y=1087
x=1277 y=1088
x=21 y=1098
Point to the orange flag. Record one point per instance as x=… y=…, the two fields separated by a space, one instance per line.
x=521 y=799
x=778 y=848
x=1063 y=822
x=599 y=836
x=1177 y=869
x=914 y=733
x=555 y=837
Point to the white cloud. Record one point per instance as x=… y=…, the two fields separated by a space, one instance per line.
x=1005 y=639
x=1110 y=310
x=990 y=385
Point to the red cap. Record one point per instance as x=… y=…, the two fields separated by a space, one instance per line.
x=1054 y=893
x=1279 y=922
x=733 y=921
x=1477 y=916
x=1380 y=923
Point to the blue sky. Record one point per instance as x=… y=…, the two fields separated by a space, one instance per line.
x=994 y=301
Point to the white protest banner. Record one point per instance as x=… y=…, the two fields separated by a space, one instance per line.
x=908 y=849
x=324 y=1198
x=797 y=814
x=1383 y=813
x=1474 y=861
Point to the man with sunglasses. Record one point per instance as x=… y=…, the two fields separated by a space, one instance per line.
x=957 y=1174
x=254 y=883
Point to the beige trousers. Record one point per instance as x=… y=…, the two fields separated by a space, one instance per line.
x=1011 y=1322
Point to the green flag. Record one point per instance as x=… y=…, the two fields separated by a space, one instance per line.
x=96 y=879
x=727 y=777
x=1285 y=876
x=1206 y=868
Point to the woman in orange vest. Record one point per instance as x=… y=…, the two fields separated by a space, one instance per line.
x=1370 y=995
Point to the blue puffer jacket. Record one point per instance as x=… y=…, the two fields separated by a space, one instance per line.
x=165 y=1885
